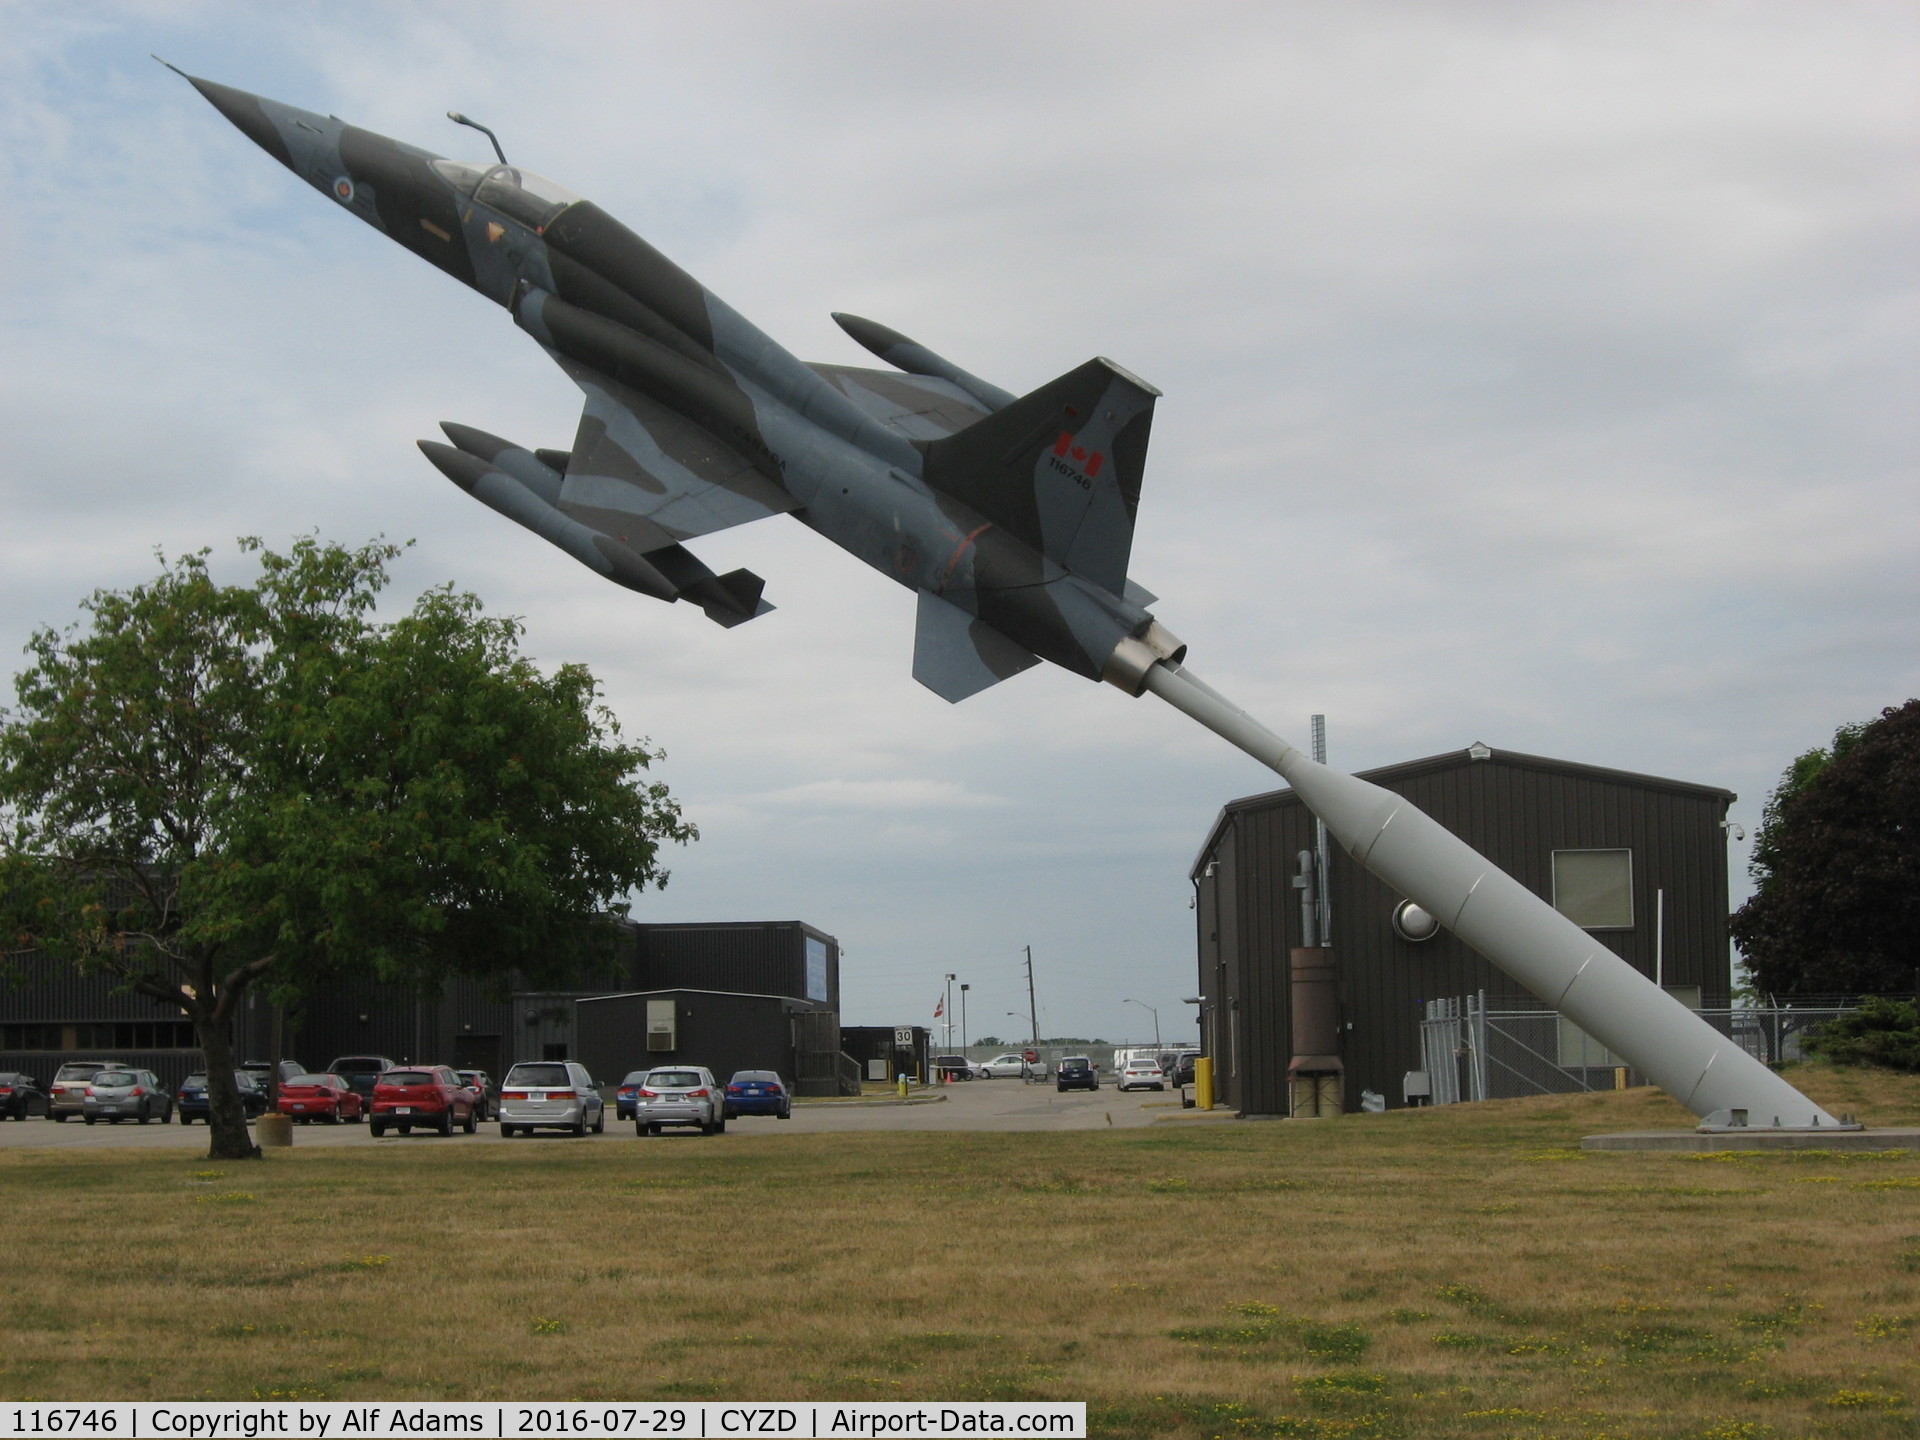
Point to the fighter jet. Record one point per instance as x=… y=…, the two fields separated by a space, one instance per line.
x=1011 y=518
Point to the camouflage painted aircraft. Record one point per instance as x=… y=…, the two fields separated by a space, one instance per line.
x=1012 y=519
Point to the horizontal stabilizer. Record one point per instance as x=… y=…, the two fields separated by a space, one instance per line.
x=956 y=655
x=1059 y=468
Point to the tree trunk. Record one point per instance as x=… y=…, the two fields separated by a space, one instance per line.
x=226 y=1118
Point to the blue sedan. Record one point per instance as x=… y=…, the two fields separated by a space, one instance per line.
x=758 y=1092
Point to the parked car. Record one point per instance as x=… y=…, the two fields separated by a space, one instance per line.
x=482 y=1084
x=67 y=1096
x=757 y=1092
x=20 y=1095
x=191 y=1097
x=424 y=1095
x=1172 y=1060
x=957 y=1067
x=1076 y=1072
x=550 y=1095
x=321 y=1097
x=629 y=1090
x=680 y=1095
x=1141 y=1074
x=1016 y=1066
x=118 y=1094
x=362 y=1072
x=262 y=1071
x=1182 y=1071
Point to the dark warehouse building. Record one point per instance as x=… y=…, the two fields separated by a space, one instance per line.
x=1639 y=861
x=55 y=1015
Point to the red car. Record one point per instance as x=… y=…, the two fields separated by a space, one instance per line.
x=424 y=1095
x=321 y=1097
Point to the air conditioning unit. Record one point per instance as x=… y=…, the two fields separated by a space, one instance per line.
x=661 y=1035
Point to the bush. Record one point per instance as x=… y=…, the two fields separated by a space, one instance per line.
x=1880 y=1032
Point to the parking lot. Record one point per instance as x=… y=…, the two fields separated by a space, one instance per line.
x=970 y=1105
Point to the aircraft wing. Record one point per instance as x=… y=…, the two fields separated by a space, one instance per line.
x=643 y=475
x=920 y=407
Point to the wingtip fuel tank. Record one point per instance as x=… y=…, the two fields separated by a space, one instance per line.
x=916 y=359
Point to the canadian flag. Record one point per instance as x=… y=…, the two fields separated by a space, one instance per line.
x=1090 y=461
x=939 y=1007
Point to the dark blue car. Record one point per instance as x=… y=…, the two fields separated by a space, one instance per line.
x=191 y=1098
x=758 y=1092
x=628 y=1093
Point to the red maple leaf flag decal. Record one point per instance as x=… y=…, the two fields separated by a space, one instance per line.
x=1091 y=462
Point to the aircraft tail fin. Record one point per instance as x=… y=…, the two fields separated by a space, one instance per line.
x=1059 y=467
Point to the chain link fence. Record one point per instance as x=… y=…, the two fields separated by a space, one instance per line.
x=1474 y=1052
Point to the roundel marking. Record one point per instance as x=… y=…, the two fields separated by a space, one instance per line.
x=343 y=189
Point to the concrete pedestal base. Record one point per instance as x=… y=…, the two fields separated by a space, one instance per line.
x=272 y=1130
x=1902 y=1138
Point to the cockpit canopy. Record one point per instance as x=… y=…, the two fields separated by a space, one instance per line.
x=519 y=194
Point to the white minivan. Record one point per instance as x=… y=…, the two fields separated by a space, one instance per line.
x=550 y=1095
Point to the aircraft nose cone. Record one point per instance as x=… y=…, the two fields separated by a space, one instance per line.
x=248 y=115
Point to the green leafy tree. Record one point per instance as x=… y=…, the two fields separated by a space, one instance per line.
x=1837 y=867
x=211 y=789
x=1881 y=1032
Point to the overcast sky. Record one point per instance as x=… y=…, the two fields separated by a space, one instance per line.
x=1536 y=374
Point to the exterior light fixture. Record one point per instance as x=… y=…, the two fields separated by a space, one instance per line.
x=1412 y=923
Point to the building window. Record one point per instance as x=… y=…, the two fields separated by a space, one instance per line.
x=816 y=969
x=1579 y=1050
x=31 y=1037
x=100 y=1035
x=1594 y=888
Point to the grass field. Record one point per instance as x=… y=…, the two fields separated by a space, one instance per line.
x=1465 y=1271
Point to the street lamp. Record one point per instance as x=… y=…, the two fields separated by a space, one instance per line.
x=1156 y=1018
x=947 y=1010
x=963 y=1018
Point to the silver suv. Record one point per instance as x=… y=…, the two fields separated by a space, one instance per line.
x=680 y=1095
x=550 y=1095
x=68 y=1093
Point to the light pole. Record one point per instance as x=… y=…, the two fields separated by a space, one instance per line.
x=963 y=1018
x=1156 y=1018
x=947 y=1010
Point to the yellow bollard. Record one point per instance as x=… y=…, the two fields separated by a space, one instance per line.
x=1203 y=1083
x=1619 y=1077
x=903 y=1087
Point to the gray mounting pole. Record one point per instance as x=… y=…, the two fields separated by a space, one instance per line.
x=1514 y=928
x=1321 y=860
x=1033 y=1008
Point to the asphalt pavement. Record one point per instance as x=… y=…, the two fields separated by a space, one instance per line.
x=968 y=1105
